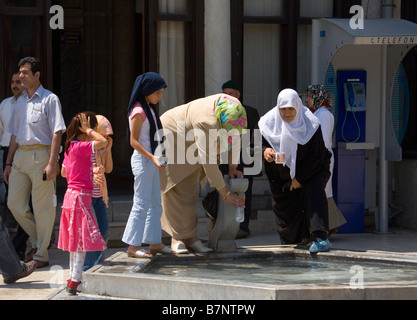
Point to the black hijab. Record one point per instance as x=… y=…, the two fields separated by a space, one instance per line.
x=145 y=85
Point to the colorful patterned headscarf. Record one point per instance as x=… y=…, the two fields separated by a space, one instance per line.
x=321 y=97
x=104 y=127
x=232 y=117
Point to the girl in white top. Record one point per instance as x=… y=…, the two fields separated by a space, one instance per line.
x=144 y=224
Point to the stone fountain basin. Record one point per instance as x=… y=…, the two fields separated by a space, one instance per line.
x=127 y=278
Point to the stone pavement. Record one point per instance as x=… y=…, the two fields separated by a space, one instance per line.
x=44 y=283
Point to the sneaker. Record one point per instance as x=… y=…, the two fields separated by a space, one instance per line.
x=72 y=287
x=28 y=268
x=320 y=246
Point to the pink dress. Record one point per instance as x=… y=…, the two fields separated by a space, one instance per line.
x=78 y=230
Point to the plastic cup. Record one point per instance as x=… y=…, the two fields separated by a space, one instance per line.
x=280 y=158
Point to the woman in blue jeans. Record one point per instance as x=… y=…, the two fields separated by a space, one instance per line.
x=144 y=224
x=11 y=267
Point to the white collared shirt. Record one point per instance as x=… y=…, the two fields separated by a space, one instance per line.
x=6 y=111
x=35 y=120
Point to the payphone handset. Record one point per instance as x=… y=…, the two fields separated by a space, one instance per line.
x=355 y=96
x=352 y=89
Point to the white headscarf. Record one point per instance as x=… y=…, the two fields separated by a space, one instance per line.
x=286 y=136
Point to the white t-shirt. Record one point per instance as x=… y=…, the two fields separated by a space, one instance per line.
x=327 y=125
x=144 y=138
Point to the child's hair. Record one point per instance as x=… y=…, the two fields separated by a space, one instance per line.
x=73 y=130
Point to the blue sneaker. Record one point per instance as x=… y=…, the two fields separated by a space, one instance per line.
x=321 y=246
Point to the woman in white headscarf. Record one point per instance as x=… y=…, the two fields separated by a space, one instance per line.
x=298 y=186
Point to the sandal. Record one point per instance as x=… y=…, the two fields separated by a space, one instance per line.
x=141 y=254
x=179 y=248
x=199 y=247
x=164 y=251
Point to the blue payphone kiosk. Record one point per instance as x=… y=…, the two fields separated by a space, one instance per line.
x=361 y=67
x=350 y=164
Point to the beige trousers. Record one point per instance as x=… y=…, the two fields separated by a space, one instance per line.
x=179 y=208
x=25 y=181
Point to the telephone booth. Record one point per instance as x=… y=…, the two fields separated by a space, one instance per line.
x=363 y=71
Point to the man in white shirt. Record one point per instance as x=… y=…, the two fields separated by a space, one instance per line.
x=6 y=110
x=36 y=126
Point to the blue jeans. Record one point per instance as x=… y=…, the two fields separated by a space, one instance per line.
x=94 y=257
x=144 y=224
x=10 y=263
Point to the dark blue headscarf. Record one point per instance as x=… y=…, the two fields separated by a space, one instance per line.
x=145 y=85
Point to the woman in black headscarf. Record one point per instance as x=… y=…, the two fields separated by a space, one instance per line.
x=144 y=224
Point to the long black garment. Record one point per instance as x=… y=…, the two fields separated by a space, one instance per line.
x=302 y=212
x=253 y=119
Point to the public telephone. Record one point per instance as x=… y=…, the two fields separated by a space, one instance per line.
x=352 y=105
x=355 y=96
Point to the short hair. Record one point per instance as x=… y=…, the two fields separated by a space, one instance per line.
x=15 y=71
x=36 y=64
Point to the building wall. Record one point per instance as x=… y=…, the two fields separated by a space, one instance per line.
x=97 y=72
x=217 y=44
x=123 y=61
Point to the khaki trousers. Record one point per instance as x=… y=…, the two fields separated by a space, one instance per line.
x=179 y=208
x=25 y=181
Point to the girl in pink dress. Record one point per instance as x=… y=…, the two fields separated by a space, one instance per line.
x=78 y=232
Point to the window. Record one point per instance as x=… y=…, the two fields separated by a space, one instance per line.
x=23 y=31
x=271 y=45
x=21 y=3
x=174 y=43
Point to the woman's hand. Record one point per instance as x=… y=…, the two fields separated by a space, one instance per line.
x=232 y=198
x=98 y=171
x=269 y=155
x=110 y=145
x=98 y=180
x=236 y=200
